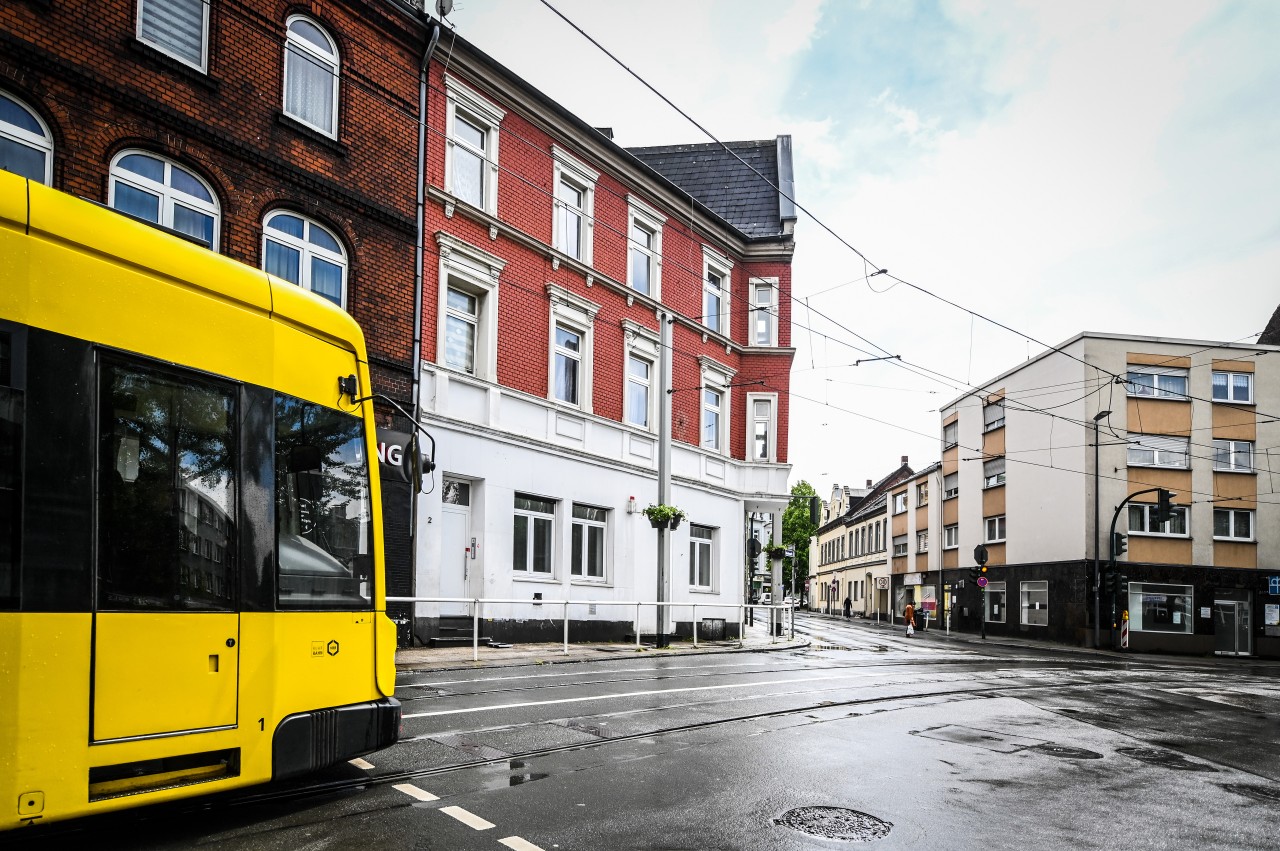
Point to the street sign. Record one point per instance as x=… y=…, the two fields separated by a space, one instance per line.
x=790 y=552
x=980 y=554
x=982 y=582
x=1273 y=586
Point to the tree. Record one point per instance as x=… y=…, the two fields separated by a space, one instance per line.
x=796 y=532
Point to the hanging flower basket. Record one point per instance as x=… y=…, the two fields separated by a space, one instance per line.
x=775 y=553
x=664 y=516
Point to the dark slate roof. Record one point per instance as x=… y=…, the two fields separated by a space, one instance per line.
x=717 y=179
x=1271 y=336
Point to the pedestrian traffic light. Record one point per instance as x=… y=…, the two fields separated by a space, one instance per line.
x=1164 y=506
x=1119 y=544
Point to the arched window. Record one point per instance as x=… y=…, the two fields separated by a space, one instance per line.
x=26 y=145
x=157 y=190
x=311 y=76
x=305 y=253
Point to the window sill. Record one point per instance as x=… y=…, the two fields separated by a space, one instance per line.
x=541 y=579
x=1157 y=467
x=1000 y=541
x=165 y=63
x=993 y=487
x=1236 y=540
x=1237 y=472
x=1249 y=404
x=590 y=583
x=311 y=134
x=948 y=549
x=1133 y=534
x=698 y=589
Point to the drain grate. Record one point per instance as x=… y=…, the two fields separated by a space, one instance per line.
x=1265 y=794
x=1066 y=751
x=1168 y=759
x=835 y=823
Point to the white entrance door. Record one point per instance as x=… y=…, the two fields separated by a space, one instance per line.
x=457 y=558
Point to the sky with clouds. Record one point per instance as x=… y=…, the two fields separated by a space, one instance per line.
x=1058 y=167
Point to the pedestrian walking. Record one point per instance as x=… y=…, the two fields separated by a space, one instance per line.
x=909 y=615
x=848 y=607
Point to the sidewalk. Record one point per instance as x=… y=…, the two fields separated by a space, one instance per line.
x=939 y=633
x=755 y=639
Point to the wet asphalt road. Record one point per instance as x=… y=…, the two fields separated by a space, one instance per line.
x=867 y=735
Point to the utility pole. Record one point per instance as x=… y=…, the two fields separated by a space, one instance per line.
x=664 y=471
x=1097 y=523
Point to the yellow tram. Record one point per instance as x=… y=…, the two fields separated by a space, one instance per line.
x=191 y=580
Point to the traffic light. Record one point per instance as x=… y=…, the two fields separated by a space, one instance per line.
x=815 y=511
x=1119 y=544
x=1164 y=506
x=974 y=573
x=754 y=547
x=1122 y=582
x=1109 y=582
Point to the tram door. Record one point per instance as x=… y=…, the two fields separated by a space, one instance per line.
x=1232 y=635
x=166 y=629
x=458 y=556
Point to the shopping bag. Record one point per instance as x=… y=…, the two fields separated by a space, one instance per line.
x=911 y=630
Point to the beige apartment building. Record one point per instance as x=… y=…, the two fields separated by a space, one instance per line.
x=1110 y=418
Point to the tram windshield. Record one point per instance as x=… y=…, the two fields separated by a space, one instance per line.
x=323 y=509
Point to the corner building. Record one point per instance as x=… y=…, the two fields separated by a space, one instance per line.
x=1019 y=478
x=554 y=256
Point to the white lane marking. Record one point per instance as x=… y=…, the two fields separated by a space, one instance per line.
x=360 y=763
x=471 y=820
x=650 y=670
x=414 y=792
x=515 y=843
x=525 y=704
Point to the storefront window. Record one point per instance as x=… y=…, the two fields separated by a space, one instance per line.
x=995 y=602
x=1160 y=608
x=1035 y=603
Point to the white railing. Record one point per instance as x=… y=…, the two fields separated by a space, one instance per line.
x=476 y=602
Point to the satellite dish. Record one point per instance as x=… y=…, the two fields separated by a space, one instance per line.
x=444 y=7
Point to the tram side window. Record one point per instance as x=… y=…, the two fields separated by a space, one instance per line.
x=166 y=480
x=323 y=512
x=11 y=419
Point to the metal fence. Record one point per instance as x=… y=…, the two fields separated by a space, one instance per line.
x=477 y=603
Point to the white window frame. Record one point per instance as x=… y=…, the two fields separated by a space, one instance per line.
x=995 y=529
x=1157 y=389
x=993 y=472
x=993 y=416
x=900 y=547
x=203 y=65
x=642 y=343
x=576 y=314
x=715 y=377
x=1147 y=510
x=532 y=516
x=900 y=502
x=1234 y=451
x=715 y=262
x=474 y=271
x=486 y=115
x=1167 y=450
x=1025 y=589
x=951 y=537
x=769 y=309
x=771 y=426
x=640 y=214
x=922 y=541
x=26 y=139
x=922 y=494
x=305 y=51
x=169 y=196
x=1230 y=386
x=1231 y=535
x=954 y=491
x=706 y=546
x=568 y=169
x=587 y=524
x=306 y=250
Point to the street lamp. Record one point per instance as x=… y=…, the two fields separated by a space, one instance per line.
x=1097 y=520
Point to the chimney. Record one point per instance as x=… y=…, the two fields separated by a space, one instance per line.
x=904 y=459
x=868 y=483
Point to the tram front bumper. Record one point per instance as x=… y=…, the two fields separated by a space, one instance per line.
x=308 y=741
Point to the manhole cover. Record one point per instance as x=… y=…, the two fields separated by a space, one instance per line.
x=1168 y=759
x=1266 y=794
x=1066 y=752
x=835 y=823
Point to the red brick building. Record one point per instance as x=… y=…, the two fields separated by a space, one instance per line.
x=286 y=135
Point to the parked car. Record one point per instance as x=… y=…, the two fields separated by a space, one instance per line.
x=790 y=601
x=766 y=598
